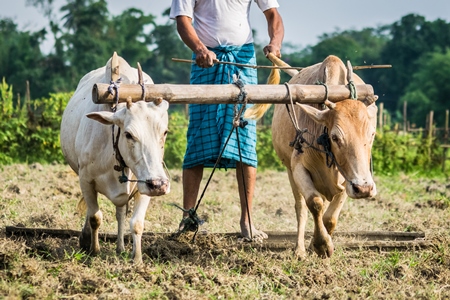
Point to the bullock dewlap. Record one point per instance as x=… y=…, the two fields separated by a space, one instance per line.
x=139 y=131
x=326 y=150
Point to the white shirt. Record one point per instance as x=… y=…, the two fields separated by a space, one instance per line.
x=220 y=22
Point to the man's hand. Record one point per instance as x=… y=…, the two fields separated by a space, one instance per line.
x=205 y=58
x=275 y=50
x=276 y=32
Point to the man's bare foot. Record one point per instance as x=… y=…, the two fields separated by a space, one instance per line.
x=256 y=235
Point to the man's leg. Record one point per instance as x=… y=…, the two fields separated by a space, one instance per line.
x=246 y=199
x=191 y=185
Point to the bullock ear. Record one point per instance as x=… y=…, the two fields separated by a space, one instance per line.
x=315 y=114
x=372 y=111
x=104 y=117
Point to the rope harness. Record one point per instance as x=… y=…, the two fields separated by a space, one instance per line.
x=324 y=139
x=192 y=222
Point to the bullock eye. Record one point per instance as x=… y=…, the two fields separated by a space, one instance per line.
x=128 y=136
x=334 y=138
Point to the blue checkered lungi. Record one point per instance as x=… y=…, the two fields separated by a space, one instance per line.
x=210 y=124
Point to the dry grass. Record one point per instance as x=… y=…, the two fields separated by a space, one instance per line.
x=216 y=267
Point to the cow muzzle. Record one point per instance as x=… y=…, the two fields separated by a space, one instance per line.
x=157 y=187
x=358 y=191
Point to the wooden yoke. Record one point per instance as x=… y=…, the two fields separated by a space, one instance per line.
x=228 y=93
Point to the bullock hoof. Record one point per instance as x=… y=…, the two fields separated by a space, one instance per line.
x=300 y=254
x=323 y=248
x=84 y=241
x=94 y=252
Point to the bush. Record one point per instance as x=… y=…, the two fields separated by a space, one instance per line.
x=267 y=158
x=176 y=140
x=30 y=132
x=13 y=126
x=393 y=153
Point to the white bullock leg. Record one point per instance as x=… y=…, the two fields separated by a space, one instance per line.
x=137 y=225
x=321 y=243
x=331 y=215
x=93 y=215
x=121 y=212
x=301 y=211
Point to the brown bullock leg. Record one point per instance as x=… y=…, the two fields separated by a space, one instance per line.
x=331 y=215
x=301 y=211
x=321 y=242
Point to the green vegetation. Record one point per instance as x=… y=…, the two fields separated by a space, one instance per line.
x=418 y=49
x=35 y=125
x=32 y=125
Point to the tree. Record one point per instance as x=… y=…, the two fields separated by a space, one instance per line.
x=429 y=88
x=412 y=37
x=167 y=45
x=86 y=23
x=21 y=57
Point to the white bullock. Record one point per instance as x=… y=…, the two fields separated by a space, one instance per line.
x=320 y=186
x=87 y=143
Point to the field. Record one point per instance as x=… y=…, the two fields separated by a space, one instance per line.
x=219 y=266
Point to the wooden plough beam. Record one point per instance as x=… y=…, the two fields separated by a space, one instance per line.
x=229 y=93
x=277 y=241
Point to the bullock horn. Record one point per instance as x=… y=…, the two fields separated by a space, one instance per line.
x=141 y=80
x=370 y=99
x=349 y=71
x=158 y=101
x=330 y=104
x=115 y=72
x=140 y=77
x=129 y=102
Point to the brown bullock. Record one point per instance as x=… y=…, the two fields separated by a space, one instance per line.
x=321 y=179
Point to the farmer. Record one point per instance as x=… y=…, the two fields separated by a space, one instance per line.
x=220 y=30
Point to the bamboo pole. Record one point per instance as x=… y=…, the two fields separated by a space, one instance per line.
x=229 y=93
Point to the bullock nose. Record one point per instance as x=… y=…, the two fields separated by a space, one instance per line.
x=362 y=190
x=158 y=186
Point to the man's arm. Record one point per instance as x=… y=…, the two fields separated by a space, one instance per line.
x=276 y=31
x=204 y=57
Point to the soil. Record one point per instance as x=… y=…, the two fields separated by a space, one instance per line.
x=217 y=264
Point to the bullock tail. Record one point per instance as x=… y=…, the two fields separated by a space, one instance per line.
x=81 y=206
x=258 y=110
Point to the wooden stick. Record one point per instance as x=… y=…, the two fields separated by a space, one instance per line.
x=372 y=67
x=237 y=64
x=287 y=67
x=228 y=93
